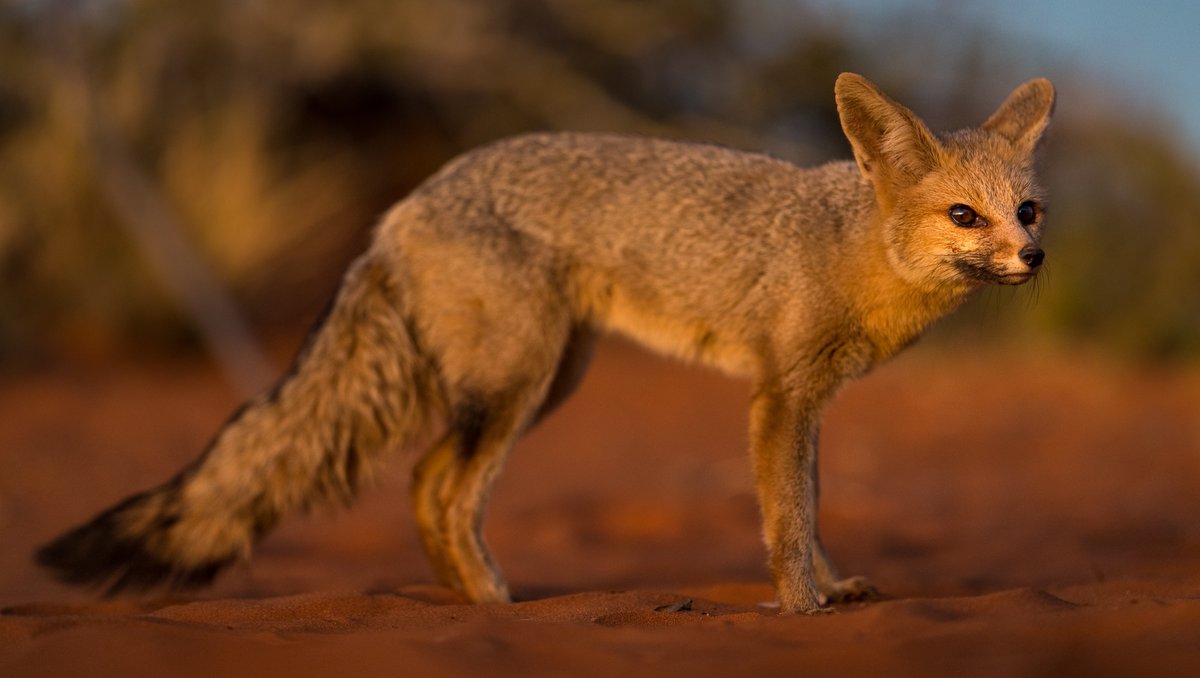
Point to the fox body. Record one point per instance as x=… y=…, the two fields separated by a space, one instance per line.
x=478 y=303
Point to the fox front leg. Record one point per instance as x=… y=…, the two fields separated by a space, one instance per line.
x=783 y=441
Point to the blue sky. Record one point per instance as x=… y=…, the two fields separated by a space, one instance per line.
x=1144 y=54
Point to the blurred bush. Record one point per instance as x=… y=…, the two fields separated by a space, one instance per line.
x=278 y=129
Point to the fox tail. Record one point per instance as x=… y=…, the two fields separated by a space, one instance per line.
x=359 y=387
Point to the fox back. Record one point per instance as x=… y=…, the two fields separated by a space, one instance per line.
x=689 y=247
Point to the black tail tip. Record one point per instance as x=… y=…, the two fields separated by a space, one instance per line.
x=97 y=555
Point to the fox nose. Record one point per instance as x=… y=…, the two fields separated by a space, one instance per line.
x=1032 y=256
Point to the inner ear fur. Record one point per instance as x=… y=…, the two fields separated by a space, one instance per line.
x=1025 y=115
x=891 y=144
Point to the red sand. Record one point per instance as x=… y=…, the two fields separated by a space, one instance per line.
x=1033 y=515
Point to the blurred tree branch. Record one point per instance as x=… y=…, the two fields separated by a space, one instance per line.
x=150 y=221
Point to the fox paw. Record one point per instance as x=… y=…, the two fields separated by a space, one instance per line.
x=852 y=588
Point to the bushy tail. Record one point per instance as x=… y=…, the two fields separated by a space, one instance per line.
x=358 y=388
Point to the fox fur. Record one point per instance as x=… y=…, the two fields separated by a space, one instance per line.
x=476 y=307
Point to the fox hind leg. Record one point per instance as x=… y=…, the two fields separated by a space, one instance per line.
x=479 y=456
x=452 y=482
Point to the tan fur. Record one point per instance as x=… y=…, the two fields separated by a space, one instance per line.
x=482 y=294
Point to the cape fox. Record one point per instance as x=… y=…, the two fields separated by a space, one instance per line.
x=478 y=303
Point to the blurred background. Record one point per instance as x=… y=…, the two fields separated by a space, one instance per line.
x=180 y=176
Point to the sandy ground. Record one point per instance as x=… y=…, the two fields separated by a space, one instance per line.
x=1024 y=515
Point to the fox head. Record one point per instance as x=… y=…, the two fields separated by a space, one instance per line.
x=958 y=209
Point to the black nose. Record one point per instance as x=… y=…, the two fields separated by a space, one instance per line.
x=1032 y=256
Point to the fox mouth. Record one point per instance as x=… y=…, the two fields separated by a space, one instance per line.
x=991 y=276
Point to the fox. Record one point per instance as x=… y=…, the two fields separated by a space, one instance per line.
x=475 y=309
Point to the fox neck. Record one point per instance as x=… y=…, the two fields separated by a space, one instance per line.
x=893 y=310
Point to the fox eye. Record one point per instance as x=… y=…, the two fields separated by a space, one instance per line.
x=1027 y=212
x=963 y=215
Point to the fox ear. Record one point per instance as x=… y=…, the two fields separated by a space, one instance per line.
x=1024 y=116
x=891 y=145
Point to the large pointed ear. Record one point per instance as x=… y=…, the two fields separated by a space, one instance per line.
x=891 y=145
x=1024 y=116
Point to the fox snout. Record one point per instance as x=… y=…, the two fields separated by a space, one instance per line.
x=1032 y=256
x=990 y=262
x=1020 y=268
